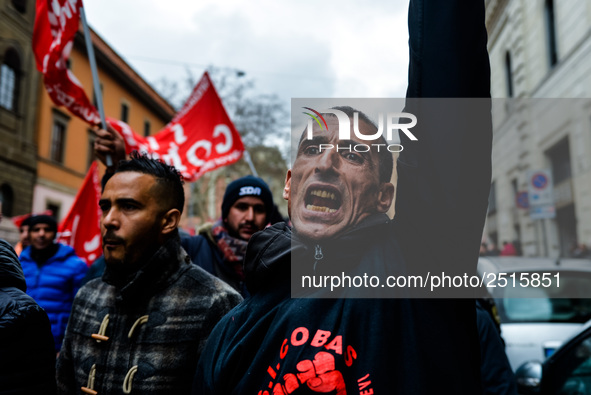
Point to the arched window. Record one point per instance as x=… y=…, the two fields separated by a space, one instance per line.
x=9 y=79
x=509 y=74
x=7 y=199
x=551 y=32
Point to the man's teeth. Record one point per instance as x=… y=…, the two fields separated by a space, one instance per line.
x=323 y=194
x=320 y=208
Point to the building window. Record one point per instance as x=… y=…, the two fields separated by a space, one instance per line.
x=515 y=189
x=560 y=157
x=20 y=5
x=509 y=74
x=551 y=32
x=58 y=138
x=9 y=77
x=54 y=207
x=6 y=200
x=147 y=128
x=492 y=199
x=124 y=112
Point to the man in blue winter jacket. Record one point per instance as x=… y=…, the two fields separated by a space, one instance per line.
x=53 y=273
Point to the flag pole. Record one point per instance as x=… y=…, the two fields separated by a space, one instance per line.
x=248 y=160
x=95 y=80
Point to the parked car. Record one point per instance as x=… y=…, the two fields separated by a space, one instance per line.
x=536 y=319
x=566 y=372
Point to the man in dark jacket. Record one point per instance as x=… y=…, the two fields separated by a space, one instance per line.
x=497 y=375
x=53 y=272
x=397 y=344
x=141 y=327
x=220 y=247
x=27 y=356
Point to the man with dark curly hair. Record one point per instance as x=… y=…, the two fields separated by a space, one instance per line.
x=143 y=325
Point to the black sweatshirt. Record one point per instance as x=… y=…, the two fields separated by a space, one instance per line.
x=275 y=344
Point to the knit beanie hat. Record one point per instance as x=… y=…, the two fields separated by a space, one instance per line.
x=26 y=221
x=43 y=219
x=247 y=186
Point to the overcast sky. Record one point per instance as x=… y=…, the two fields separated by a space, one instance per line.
x=303 y=48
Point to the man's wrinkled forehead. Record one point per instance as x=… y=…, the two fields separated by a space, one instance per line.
x=318 y=133
x=330 y=137
x=333 y=128
x=316 y=139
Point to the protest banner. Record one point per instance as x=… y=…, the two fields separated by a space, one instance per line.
x=81 y=227
x=200 y=138
x=56 y=23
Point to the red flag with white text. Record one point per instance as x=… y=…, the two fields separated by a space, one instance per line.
x=56 y=23
x=200 y=138
x=81 y=227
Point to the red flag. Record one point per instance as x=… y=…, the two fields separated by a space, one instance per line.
x=200 y=138
x=56 y=23
x=81 y=227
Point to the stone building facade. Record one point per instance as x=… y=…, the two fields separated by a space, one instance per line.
x=18 y=104
x=540 y=53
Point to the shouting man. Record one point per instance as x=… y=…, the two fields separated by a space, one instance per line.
x=399 y=341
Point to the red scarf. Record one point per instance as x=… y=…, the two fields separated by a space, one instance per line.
x=232 y=248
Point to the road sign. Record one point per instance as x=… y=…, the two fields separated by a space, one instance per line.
x=541 y=194
x=542 y=212
x=540 y=189
x=539 y=180
x=522 y=200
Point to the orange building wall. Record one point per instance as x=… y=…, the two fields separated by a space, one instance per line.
x=76 y=154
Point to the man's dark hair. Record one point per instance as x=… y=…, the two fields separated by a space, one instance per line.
x=168 y=178
x=385 y=160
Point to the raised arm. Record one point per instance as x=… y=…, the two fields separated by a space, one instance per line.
x=448 y=54
x=444 y=177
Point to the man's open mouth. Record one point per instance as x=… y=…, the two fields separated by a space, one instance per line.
x=324 y=200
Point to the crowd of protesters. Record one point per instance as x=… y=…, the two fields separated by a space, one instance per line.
x=144 y=276
x=142 y=320
x=146 y=279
